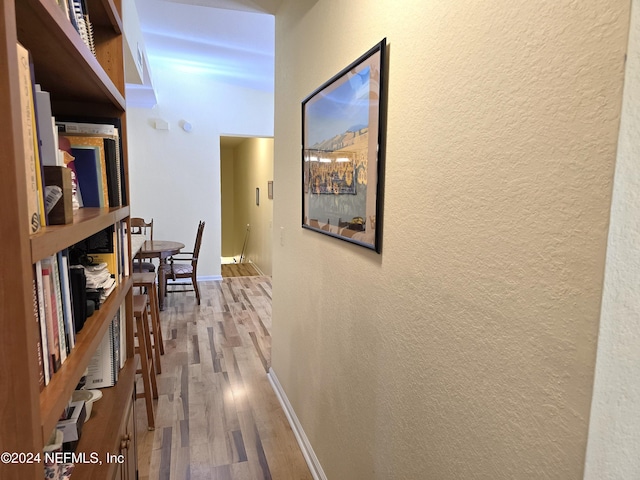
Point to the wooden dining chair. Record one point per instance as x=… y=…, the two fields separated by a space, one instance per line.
x=184 y=265
x=141 y=227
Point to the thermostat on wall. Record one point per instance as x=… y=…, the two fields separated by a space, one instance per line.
x=161 y=124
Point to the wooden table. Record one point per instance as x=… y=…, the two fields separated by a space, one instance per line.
x=160 y=249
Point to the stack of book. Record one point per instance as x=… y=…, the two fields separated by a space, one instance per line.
x=95 y=158
x=101 y=279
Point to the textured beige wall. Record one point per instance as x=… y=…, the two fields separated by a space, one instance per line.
x=253 y=168
x=467 y=349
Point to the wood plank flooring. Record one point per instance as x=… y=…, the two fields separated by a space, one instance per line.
x=217 y=417
x=238 y=270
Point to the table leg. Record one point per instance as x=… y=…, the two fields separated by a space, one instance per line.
x=161 y=284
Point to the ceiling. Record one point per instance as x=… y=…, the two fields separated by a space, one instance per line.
x=231 y=40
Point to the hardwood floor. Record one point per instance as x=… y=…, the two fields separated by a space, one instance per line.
x=217 y=417
x=238 y=270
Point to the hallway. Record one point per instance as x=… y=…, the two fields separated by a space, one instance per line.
x=217 y=417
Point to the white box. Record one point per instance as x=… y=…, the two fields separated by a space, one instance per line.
x=72 y=427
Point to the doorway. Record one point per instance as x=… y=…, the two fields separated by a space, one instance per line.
x=246 y=176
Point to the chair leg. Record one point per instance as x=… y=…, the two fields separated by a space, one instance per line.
x=165 y=284
x=152 y=368
x=156 y=306
x=195 y=288
x=158 y=347
x=146 y=378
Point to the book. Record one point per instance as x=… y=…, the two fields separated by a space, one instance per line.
x=52 y=326
x=96 y=142
x=115 y=346
x=78 y=283
x=101 y=242
x=47 y=140
x=105 y=127
x=36 y=315
x=85 y=127
x=71 y=14
x=113 y=172
x=122 y=249
x=123 y=335
x=101 y=369
x=36 y=146
x=109 y=157
x=29 y=139
x=44 y=343
x=77 y=10
x=59 y=312
x=122 y=189
x=89 y=174
x=59 y=195
x=90 y=37
x=67 y=302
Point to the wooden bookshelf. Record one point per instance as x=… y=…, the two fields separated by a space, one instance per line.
x=81 y=85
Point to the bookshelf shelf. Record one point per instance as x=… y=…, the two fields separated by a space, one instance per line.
x=86 y=221
x=55 y=396
x=81 y=85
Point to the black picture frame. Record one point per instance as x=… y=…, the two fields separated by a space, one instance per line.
x=343 y=152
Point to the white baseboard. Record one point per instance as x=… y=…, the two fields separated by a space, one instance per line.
x=209 y=277
x=255 y=265
x=301 y=437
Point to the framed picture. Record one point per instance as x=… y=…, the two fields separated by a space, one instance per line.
x=343 y=153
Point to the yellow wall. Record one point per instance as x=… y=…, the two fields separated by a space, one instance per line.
x=228 y=243
x=467 y=349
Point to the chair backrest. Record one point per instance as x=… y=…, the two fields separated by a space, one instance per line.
x=196 y=247
x=140 y=225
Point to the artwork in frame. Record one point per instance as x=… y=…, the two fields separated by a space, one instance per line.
x=343 y=152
